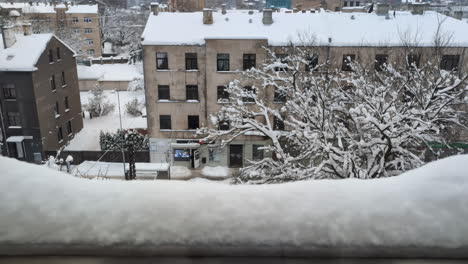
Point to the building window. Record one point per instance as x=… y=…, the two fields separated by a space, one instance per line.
x=223 y=124
x=87 y=20
x=91 y=52
x=283 y=59
x=74 y=20
x=191 y=92
x=249 y=95
x=223 y=94
x=213 y=154
x=358 y=3
x=348 y=59
x=89 y=41
x=250 y=61
x=413 y=60
x=279 y=96
x=64 y=81
x=9 y=91
x=257 y=152
x=162 y=61
x=380 y=62
x=14 y=119
x=278 y=123
x=223 y=62
x=76 y=30
x=193 y=122
x=345 y=3
x=59 y=134
x=52 y=83
x=165 y=122
x=69 y=128
x=312 y=62
x=163 y=92
x=88 y=30
x=191 y=61
x=56 y=109
x=351 y=3
x=66 y=103
x=449 y=62
x=51 y=56
x=59 y=56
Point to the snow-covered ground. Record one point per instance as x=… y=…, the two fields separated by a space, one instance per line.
x=88 y=137
x=113 y=170
x=424 y=208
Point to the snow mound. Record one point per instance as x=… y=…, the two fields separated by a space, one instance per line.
x=215 y=172
x=427 y=207
x=180 y=173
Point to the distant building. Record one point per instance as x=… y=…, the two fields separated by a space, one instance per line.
x=80 y=22
x=278 y=4
x=40 y=108
x=186 y=5
x=187 y=66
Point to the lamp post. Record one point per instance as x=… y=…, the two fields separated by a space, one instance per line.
x=121 y=130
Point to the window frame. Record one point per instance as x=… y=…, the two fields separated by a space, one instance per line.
x=63 y=79
x=69 y=128
x=9 y=91
x=450 y=61
x=66 y=103
x=75 y=20
x=256 y=152
x=59 y=134
x=53 y=85
x=51 y=56
x=193 y=122
x=167 y=120
x=88 y=30
x=162 y=61
x=191 y=93
x=282 y=57
x=88 y=20
x=162 y=91
x=278 y=124
x=59 y=55
x=191 y=61
x=222 y=96
x=345 y=62
x=312 y=63
x=411 y=59
x=248 y=99
x=249 y=61
x=380 y=61
x=13 y=119
x=223 y=62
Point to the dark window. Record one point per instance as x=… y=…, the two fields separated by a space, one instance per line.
x=165 y=122
x=312 y=62
x=9 y=90
x=278 y=123
x=250 y=93
x=52 y=83
x=413 y=60
x=223 y=95
x=58 y=54
x=56 y=109
x=51 y=56
x=347 y=60
x=191 y=92
x=67 y=105
x=223 y=125
x=64 y=82
x=14 y=119
x=380 y=62
x=163 y=92
x=283 y=59
x=345 y=3
x=69 y=128
x=223 y=62
x=257 y=152
x=450 y=62
x=358 y=3
x=193 y=122
x=162 y=61
x=279 y=96
x=250 y=61
x=59 y=134
x=351 y=3
x=191 y=62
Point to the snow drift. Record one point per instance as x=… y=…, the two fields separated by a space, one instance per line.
x=425 y=208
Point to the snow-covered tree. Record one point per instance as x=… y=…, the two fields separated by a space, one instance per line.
x=98 y=105
x=364 y=123
x=134 y=107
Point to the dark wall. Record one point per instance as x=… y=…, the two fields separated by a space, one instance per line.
x=111 y=156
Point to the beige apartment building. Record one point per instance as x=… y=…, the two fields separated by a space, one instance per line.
x=187 y=65
x=73 y=23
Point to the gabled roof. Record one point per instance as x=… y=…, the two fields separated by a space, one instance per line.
x=83 y=9
x=25 y=53
x=343 y=29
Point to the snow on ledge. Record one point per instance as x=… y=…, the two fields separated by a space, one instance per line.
x=424 y=208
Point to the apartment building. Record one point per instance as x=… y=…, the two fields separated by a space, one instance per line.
x=74 y=22
x=40 y=108
x=187 y=65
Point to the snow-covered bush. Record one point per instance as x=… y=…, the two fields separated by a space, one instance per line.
x=134 y=107
x=356 y=124
x=137 y=85
x=123 y=139
x=98 y=105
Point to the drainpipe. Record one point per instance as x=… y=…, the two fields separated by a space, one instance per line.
x=4 y=135
x=328 y=55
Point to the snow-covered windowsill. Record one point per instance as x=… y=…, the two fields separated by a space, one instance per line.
x=55 y=90
x=64 y=86
x=192 y=101
x=15 y=127
x=57 y=116
x=177 y=130
x=67 y=110
x=229 y=72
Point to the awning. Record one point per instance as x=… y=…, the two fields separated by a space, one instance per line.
x=185 y=145
x=17 y=139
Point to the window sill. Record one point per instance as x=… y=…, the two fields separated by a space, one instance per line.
x=54 y=90
x=64 y=86
x=223 y=102
x=60 y=141
x=10 y=99
x=192 y=101
x=51 y=62
x=57 y=116
x=229 y=72
x=71 y=135
x=67 y=110
x=178 y=130
x=59 y=59
x=163 y=70
x=194 y=70
x=279 y=102
x=15 y=127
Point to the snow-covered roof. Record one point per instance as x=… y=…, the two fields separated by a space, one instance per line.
x=108 y=72
x=84 y=9
x=25 y=53
x=364 y=29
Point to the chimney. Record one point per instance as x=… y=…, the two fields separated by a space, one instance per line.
x=207 y=16
x=30 y=3
x=267 y=17
x=382 y=9
x=9 y=38
x=418 y=9
x=458 y=15
x=155 y=8
x=27 y=29
x=223 y=9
